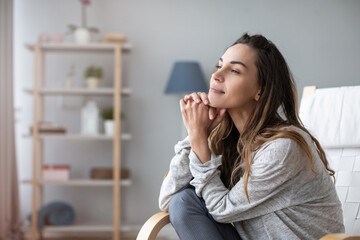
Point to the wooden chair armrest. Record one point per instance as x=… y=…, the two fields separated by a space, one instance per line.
x=156 y=222
x=340 y=236
x=153 y=225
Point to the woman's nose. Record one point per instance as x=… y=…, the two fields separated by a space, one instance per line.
x=217 y=76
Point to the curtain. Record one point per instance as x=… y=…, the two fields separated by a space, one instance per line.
x=9 y=198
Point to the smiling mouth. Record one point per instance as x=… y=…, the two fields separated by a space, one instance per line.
x=214 y=90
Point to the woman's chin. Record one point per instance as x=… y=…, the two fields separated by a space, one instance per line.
x=214 y=102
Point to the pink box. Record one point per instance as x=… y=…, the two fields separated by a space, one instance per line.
x=56 y=172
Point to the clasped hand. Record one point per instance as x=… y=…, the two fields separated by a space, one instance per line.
x=198 y=116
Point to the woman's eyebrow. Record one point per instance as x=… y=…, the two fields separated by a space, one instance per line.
x=236 y=62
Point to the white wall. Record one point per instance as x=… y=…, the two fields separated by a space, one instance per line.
x=320 y=40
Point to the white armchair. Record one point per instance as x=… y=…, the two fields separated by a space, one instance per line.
x=343 y=153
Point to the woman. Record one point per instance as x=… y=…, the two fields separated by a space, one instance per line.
x=248 y=168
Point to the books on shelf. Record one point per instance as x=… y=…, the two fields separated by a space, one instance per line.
x=45 y=127
x=56 y=172
x=107 y=173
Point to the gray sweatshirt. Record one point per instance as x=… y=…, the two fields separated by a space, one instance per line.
x=287 y=199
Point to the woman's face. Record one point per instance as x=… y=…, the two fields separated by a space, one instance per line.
x=234 y=83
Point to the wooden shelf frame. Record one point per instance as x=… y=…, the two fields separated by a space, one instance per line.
x=70 y=136
x=79 y=91
x=39 y=92
x=75 y=47
x=91 y=228
x=80 y=182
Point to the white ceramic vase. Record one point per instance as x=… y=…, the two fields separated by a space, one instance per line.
x=82 y=35
x=92 y=82
x=90 y=119
x=109 y=127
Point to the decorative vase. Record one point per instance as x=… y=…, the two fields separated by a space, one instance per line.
x=92 y=82
x=109 y=127
x=90 y=119
x=82 y=35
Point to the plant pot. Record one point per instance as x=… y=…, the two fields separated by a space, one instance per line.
x=92 y=82
x=109 y=127
x=82 y=35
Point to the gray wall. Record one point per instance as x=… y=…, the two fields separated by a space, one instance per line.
x=320 y=40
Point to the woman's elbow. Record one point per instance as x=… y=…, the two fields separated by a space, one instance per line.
x=220 y=218
x=164 y=205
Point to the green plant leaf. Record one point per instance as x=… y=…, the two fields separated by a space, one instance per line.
x=94 y=71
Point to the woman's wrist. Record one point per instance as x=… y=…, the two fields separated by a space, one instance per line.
x=197 y=135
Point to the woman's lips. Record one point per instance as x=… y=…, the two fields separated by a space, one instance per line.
x=214 y=90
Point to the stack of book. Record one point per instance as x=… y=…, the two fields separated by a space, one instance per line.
x=45 y=127
x=107 y=173
x=56 y=172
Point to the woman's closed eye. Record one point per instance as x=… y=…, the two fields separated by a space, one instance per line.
x=235 y=71
x=217 y=67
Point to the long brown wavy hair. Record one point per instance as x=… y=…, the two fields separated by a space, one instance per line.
x=265 y=123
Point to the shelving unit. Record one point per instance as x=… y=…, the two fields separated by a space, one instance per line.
x=66 y=136
x=79 y=91
x=39 y=92
x=87 y=228
x=78 y=47
x=81 y=182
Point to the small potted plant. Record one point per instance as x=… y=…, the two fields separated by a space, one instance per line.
x=82 y=33
x=107 y=115
x=93 y=76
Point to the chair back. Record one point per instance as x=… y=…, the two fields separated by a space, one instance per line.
x=333 y=116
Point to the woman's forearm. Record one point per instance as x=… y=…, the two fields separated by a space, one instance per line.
x=199 y=145
x=179 y=174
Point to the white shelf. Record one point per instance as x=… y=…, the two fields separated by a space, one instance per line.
x=124 y=136
x=81 y=182
x=79 y=91
x=70 y=46
x=89 y=228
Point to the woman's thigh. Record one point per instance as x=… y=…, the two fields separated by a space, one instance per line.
x=192 y=221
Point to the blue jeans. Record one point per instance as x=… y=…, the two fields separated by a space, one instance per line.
x=192 y=221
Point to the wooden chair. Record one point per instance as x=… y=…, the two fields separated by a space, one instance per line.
x=154 y=224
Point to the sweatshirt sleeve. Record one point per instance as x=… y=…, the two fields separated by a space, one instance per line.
x=179 y=174
x=273 y=166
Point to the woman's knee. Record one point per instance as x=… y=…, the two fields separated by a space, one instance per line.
x=183 y=204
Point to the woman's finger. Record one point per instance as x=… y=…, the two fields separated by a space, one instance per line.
x=204 y=97
x=212 y=113
x=192 y=97
x=182 y=104
x=186 y=98
x=218 y=117
x=195 y=97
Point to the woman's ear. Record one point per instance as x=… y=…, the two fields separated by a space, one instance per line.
x=257 y=96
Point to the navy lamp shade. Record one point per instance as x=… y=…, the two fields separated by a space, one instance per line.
x=186 y=77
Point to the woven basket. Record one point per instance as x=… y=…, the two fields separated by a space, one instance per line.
x=107 y=173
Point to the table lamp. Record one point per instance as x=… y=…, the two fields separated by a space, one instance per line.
x=186 y=77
